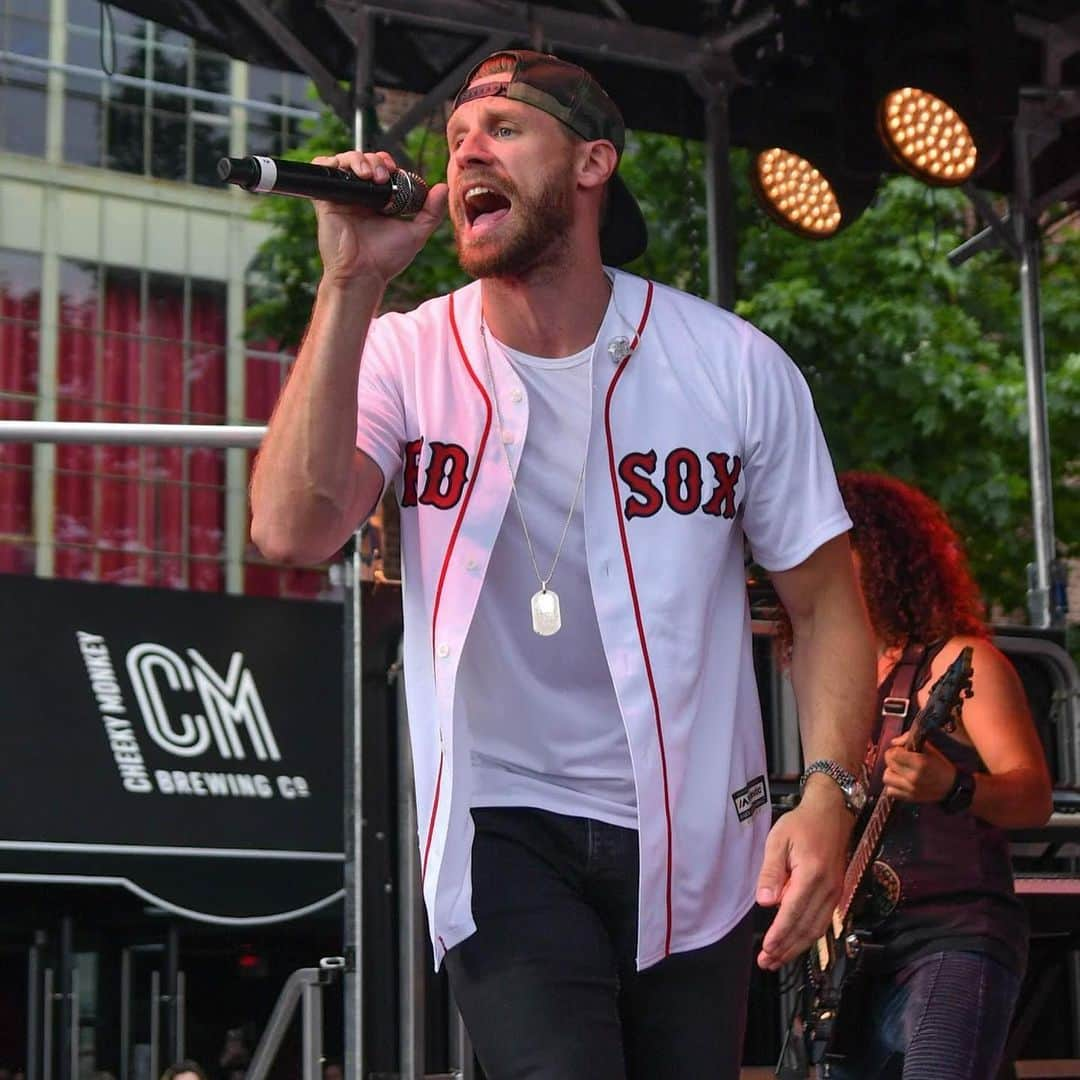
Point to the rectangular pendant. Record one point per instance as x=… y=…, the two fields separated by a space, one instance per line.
x=546 y=618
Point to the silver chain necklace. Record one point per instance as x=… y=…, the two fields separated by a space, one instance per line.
x=546 y=613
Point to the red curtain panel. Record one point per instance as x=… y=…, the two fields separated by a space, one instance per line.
x=19 y=319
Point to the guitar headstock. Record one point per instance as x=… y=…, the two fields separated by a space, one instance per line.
x=946 y=699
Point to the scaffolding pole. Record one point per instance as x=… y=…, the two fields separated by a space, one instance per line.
x=201 y=436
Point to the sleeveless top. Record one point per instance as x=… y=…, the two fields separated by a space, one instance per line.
x=956 y=884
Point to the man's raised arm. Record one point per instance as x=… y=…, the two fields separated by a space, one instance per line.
x=311 y=486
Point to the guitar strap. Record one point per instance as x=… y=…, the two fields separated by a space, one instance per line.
x=897 y=711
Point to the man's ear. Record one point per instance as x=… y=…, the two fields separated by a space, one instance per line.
x=597 y=163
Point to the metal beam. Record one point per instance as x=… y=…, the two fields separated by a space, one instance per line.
x=984 y=240
x=214 y=436
x=1043 y=610
x=597 y=36
x=363 y=88
x=616 y=9
x=329 y=88
x=719 y=199
x=996 y=225
x=440 y=92
x=1067 y=189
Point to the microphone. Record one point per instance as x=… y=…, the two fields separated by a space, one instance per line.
x=401 y=196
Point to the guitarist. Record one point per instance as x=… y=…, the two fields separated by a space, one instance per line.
x=941 y=992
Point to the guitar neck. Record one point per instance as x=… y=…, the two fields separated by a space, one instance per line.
x=870 y=840
x=864 y=854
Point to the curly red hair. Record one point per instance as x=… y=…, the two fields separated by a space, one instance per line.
x=912 y=566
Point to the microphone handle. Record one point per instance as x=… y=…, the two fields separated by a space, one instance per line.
x=404 y=193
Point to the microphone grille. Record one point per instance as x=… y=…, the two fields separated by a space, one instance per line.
x=409 y=194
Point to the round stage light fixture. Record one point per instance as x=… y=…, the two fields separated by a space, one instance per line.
x=927 y=137
x=795 y=193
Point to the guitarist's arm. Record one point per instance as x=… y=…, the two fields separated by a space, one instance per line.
x=832 y=671
x=1015 y=791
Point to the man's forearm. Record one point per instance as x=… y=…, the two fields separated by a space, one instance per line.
x=833 y=674
x=304 y=490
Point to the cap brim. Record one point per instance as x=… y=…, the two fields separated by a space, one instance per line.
x=624 y=235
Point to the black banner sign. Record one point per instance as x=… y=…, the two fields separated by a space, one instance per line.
x=188 y=744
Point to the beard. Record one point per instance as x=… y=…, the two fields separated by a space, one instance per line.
x=537 y=235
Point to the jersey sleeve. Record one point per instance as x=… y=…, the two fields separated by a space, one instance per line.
x=792 y=502
x=380 y=406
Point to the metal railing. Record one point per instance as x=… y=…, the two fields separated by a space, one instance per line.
x=304 y=987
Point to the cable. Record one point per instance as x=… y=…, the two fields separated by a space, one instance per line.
x=108 y=66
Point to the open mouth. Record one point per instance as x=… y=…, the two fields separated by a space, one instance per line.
x=484 y=207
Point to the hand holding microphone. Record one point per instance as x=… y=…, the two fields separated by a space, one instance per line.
x=373 y=217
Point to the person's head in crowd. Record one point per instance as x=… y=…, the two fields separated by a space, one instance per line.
x=187 y=1069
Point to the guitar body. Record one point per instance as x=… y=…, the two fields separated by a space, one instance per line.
x=834 y=991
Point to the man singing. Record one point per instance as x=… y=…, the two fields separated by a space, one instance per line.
x=579 y=456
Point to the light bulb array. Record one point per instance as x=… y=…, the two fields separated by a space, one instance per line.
x=928 y=136
x=798 y=192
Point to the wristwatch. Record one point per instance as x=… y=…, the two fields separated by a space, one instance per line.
x=958 y=797
x=853 y=788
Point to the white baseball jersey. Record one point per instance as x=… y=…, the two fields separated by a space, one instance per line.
x=705 y=433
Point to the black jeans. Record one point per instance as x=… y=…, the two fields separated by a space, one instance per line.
x=547 y=986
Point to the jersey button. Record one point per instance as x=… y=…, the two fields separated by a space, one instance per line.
x=508 y=437
x=443 y=650
x=516 y=395
x=472 y=564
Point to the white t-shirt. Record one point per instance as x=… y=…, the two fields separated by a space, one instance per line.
x=545 y=723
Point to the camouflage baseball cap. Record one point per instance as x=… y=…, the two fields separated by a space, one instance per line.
x=570 y=94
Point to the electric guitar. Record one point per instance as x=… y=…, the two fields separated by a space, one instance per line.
x=834 y=964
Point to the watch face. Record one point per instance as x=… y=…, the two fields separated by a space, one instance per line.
x=856 y=795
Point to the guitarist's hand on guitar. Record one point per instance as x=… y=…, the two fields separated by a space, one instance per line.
x=924 y=776
x=803 y=871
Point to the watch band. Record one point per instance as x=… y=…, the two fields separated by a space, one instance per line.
x=958 y=797
x=849 y=784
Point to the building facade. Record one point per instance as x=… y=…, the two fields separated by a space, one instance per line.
x=124 y=282
x=123 y=290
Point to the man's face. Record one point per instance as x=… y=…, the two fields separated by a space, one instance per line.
x=511 y=185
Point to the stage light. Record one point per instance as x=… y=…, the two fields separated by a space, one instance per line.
x=945 y=86
x=814 y=161
x=927 y=137
x=795 y=193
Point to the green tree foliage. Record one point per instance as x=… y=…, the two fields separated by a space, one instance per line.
x=916 y=367
x=286 y=269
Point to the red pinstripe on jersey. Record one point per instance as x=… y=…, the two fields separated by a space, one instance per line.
x=449 y=551
x=637 y=606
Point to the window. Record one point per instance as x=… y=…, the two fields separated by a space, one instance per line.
x=140 y=348
x=165 y=109
x=137 y=123
x=20 y=305
x=265 y=372
x=24 y=32
x=274 y=134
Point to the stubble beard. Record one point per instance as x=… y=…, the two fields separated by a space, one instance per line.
x=539 y=236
